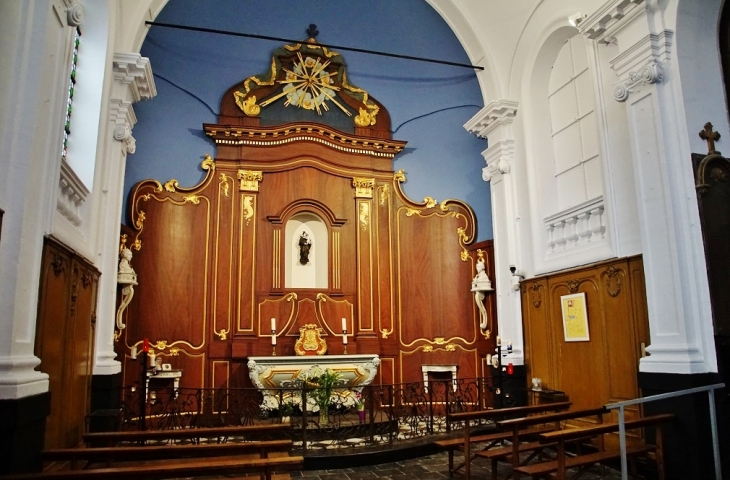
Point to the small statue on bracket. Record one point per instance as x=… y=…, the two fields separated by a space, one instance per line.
x=305 y=244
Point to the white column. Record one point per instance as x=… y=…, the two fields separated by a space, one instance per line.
x=133 y=81
x=32 y=68
x=680 y=319
x=494 y=122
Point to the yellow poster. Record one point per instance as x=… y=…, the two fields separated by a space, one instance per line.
x=575 y=317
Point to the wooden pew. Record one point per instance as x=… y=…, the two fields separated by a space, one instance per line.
x=84 y=457
x=108 y=439
x=199 y=467
x=515 y=426
x=492 y=438
x=556 y=468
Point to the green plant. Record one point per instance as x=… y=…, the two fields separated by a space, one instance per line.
x=286 y=409
x=323 y=383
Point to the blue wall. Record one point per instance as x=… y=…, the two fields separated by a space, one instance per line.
x=428 y=103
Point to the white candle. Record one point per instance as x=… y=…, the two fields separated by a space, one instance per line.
x=344 y=325
x=152 y=358
x=344 y=339
x=273 y=324
x=489 y=359
x=133 y=353
x=273 y=339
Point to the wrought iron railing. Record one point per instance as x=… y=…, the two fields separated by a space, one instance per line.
x=362 y=416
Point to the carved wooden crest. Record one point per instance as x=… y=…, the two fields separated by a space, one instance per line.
x=310 y=341
x=613 y=281
x=536 y=294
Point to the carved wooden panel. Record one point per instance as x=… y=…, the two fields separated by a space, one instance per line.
x=600 y=370
x=65 y=340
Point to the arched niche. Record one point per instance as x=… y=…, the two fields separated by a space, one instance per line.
x=313 y=273
x=323 y=229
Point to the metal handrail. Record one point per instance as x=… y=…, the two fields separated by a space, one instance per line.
x=713 y=421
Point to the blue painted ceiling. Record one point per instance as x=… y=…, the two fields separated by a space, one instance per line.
x=428 y=103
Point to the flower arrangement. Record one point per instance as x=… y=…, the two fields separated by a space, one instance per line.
x=359 y=401
x=323 y=383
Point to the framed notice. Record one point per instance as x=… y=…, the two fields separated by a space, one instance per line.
x=575 y=317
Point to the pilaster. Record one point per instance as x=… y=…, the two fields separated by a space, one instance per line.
x=494 y=122
x=133 y=81
x=676 y=281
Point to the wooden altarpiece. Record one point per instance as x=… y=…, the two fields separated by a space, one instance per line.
x=301 y=148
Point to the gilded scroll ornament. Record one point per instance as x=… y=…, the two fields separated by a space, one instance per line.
x=248 y=209
x=310 y=341
x=366 y=117
x=208 y=163
x=248 y=105
x=613 y=281
x=428 y=349
x=171 y=185
x=224 y=184
x=222 y=335
x=385 y=333
x=384 y=194
x=249 y=180
x=194 y=199
x=573 y=285
x=364 y=215
x=363 y=187
x=430 y=202
x=399 y=176
x=450 y=347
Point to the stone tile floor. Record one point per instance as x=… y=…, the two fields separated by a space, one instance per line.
x=429 y=467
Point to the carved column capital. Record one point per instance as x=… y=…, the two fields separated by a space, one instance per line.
x=122 y=115
x=499 y=157
x=74 y=12
x=653 y=72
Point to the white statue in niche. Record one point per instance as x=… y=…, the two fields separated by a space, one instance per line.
x=125 y=276
x=479 y=285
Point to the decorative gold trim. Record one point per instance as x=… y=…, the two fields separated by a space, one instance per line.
x=248 y=211
x=117 y=335
x=363 y=187
x=384 y=195
x=310 y=340
x=222 y=335
x=224 y=184
x=276 y=260
x=272 y=136
x=249 y=180
x=336 y=270
x=573 y=285
x=364 y=215
x=289 y=297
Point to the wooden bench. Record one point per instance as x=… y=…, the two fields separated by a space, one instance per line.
x=85 y=457
x=493 y=438
x=198 y=467
x=556 y=468
x=514 y=428
x=109 y=439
